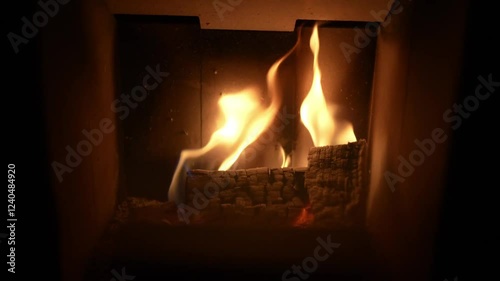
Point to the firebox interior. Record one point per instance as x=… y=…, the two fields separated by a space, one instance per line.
x=203 y=65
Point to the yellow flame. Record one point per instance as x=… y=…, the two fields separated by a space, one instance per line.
x=285 y=162
x=245 y=120
x=314 y=112
x=242 y=128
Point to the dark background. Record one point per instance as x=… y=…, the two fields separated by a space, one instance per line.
x=25 y=146
x=466 y=234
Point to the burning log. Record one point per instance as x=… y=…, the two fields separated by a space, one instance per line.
x=258 y=179
x=334 y=181
x=332 y=186
x=260 y=194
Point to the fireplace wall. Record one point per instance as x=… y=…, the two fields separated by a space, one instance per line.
x=416 y=79
x=79 y=86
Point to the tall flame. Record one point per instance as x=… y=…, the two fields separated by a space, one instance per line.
x=245 y=120
x=314 y=112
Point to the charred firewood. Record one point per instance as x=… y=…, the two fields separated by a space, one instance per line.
x=259 y=194
x=335 y=183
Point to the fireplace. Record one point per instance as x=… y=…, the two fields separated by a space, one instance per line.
x=235 y=138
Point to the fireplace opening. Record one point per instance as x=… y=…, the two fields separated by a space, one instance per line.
x=249 y=133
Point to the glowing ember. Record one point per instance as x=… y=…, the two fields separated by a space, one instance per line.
x=304 y=219
x=314 y=112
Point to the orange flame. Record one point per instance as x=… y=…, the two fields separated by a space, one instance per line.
x=285 y=162
x=240 y=129
x=245 y=120
x=314 y=113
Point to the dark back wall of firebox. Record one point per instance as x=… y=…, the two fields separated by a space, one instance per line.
x=195 y=67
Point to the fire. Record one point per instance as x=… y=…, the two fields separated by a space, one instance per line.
x=240 y=129
x=245 y=119
x=285 y=162
x=314 y=111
